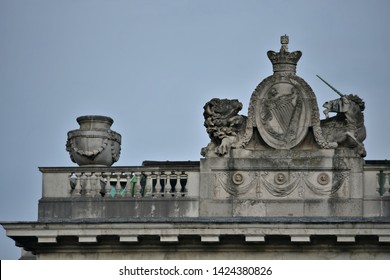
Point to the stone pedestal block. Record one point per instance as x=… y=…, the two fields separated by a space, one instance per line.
x=275 y=183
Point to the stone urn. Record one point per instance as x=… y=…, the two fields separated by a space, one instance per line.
x=94 y=144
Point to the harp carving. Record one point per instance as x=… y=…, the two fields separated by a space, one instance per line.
x=280 y=116
x=283 y=108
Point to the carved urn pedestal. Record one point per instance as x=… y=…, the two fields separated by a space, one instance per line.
x=94 y=144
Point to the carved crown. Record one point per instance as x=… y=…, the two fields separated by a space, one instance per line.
x=284 y=61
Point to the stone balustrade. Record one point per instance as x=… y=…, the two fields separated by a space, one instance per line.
x=156 y=190
x=156 y=180
x=124 y=183
x=377 y=179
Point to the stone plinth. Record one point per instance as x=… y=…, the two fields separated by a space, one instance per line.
x=282 y=183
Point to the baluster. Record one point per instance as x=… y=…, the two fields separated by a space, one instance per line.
x=87 y=187
x=118 y=184
x=381 y=182
x=122 y=184
x=102 y=183
x=163 y=181
x=133 y=183
x=72 y=180
x=167 y=185
x=148 y=185
x=142 y=182
x=107 y=188
x=77 y=188
x=183 y=183
x=83 y=181
x=388 y=177
x=95 y=184
x=173 y=183
x=137 y=185
x=128 y=184
x=155 y=179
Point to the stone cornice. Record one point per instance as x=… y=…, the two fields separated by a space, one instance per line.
x=208 y=231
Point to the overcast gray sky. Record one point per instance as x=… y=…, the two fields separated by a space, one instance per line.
x=152 y=65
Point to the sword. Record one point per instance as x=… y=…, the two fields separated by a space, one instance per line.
x=329 y=85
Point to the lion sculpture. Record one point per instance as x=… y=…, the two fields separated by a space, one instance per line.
x=223 y=125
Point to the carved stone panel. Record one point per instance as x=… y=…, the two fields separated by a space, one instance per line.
x=274 y=184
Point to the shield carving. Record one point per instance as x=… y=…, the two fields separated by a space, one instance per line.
x=282 y=114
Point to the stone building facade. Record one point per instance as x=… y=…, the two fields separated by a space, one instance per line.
x=279 y=183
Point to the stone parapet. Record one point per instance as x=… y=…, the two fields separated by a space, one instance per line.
x=165 y=189
x=263 y=186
